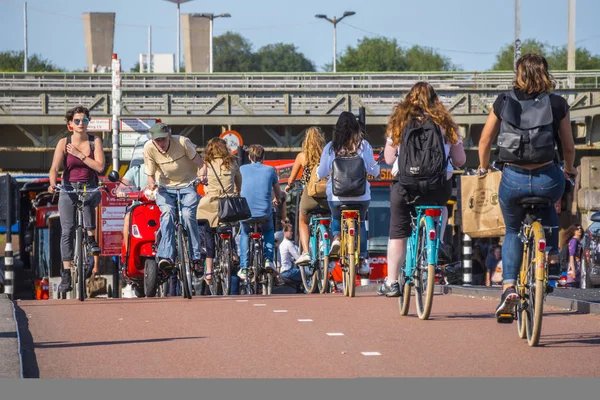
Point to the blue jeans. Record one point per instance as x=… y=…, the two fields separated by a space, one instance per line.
x=268 y=232
x=292 y=274
x=547 y=181
x=166 y=200
x=336 y=221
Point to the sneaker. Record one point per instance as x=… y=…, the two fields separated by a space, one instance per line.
x=198 y=267
x=165 y=263
x=364 y=268
x=554 y=271
x=304 y=259
x=389 y=291
x=335 y=246
x=510 y=298
x=269 y=266
x=93 y=246
x=66 y=284
x=243 y=274
x=444 y=253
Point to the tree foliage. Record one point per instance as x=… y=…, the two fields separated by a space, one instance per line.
x=383 y=54
x=13 y=61
x=282 y=57
x=555 y=55
x=232 y=53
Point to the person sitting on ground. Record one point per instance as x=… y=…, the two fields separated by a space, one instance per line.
x=289 y=254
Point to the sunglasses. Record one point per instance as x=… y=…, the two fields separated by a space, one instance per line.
x=85 y=121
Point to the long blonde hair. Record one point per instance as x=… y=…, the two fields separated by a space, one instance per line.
x=313 y=145
x=421 y=101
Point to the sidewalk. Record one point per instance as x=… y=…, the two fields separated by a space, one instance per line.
x=10 y=366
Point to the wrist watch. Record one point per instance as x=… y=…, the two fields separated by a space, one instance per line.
x=83 y=158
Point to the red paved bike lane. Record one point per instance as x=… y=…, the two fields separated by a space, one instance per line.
x=296 y=336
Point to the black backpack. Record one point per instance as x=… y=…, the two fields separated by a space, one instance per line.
x=526 y=133
x=563 y=258
x=348 y=176
x=422 y=160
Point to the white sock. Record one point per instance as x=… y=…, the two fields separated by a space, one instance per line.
x=387 y=281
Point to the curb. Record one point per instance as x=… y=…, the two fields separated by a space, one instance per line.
x=579 y=306
x=11 y=363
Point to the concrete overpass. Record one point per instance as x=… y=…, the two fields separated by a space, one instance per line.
x=272 y=109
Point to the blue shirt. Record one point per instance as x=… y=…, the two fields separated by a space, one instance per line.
x=257 y=184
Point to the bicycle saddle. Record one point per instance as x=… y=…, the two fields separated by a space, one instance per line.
x=320 y=211
x=535 y=202
x=224 y=229
x=350 y=207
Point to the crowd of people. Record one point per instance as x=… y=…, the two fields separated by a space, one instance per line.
x=528 y=170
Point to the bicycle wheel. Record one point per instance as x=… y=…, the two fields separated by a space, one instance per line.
x=257 y=267
x=225 y=263
x=424 y=275
x=309 y=280
x=352 y=258
x=81 y=253
x=404 y=299
x=322 y=264
x=537 y=287
x=185 y=262
x=521 y=311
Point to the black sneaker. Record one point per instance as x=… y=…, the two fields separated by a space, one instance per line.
x=508 y=302
x=389 y=291
x=554 y=271
x=165 y=263
x=66 y=285
x=93 y=246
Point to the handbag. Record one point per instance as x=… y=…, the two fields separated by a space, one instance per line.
x=317 y=188
x=232 y=208
x=480 y=206
x=349 y=176
x=95 y=286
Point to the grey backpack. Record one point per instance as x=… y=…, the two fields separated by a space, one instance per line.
x=526 y=133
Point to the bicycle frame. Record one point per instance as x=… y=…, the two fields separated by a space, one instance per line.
x=318 y=226
x=433 y=228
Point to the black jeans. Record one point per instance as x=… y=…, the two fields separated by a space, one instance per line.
x=68 y=219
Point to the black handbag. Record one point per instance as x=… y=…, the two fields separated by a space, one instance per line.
x=232 y=208
x=349 y=176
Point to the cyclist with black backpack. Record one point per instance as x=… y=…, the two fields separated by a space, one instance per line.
x=81 y=158
x=530 y=122
x=348 y=158
x=421 y=141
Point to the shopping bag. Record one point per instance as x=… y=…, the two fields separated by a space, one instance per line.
x=481 y=214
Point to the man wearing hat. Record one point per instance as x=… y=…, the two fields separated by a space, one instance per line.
x=177 y=163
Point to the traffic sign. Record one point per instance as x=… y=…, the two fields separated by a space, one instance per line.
x=129 y=138
x=99 y=125
x=136 y=125
x=233 y=140
x=127 y=153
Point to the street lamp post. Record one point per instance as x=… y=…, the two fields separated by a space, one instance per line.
x=335 y=21
x=211 y=17
x=179 y=3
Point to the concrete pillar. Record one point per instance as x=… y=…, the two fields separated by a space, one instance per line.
x=196 y=43
x=99 y=33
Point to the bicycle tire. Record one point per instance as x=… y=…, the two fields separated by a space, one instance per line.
x=256 y=266
x=322 y=264
x=80 y=276
x=404 y=299
x=352 y=258
x=521 y=311
x=225 y=267
x=537 y=288
x=310 y=288
x=184 y=262
x=424 y=285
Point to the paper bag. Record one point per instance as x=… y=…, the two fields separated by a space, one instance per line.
x=481 y=214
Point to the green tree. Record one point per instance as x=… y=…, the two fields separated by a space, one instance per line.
x=506 y=56
x=383 y=54
x=282 y=57
x=12 y=61
x=136 y=67
x=233 y=53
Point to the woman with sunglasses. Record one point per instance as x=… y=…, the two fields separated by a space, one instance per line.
x=572 y=241
x=81 y=158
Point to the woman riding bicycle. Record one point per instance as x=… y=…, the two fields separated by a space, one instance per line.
x=82 y=158
x=307 y=159
x=347 y=141
x=217 y=159
x=420 y=108
x=529 y=158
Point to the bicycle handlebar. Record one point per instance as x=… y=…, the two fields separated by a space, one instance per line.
x=61 y=188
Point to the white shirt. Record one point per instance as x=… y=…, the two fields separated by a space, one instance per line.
x=365 y=152
x=288 y=253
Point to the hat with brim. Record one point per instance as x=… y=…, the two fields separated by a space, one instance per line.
x=158 y=131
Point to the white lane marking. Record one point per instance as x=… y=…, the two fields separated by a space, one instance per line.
x=279 y=311
x=259 y=305
x=242 y=301
x=225 y=297
x=335 y=334
x=305 y=320
x=370 y=353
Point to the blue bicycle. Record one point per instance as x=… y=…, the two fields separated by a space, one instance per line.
x=421 y=260
x=315 y=275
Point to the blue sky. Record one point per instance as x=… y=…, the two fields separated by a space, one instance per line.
x=470 y=32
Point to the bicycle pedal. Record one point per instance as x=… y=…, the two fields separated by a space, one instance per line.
x=505 y=318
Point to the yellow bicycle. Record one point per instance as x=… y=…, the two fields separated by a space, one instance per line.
x=349 y=246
